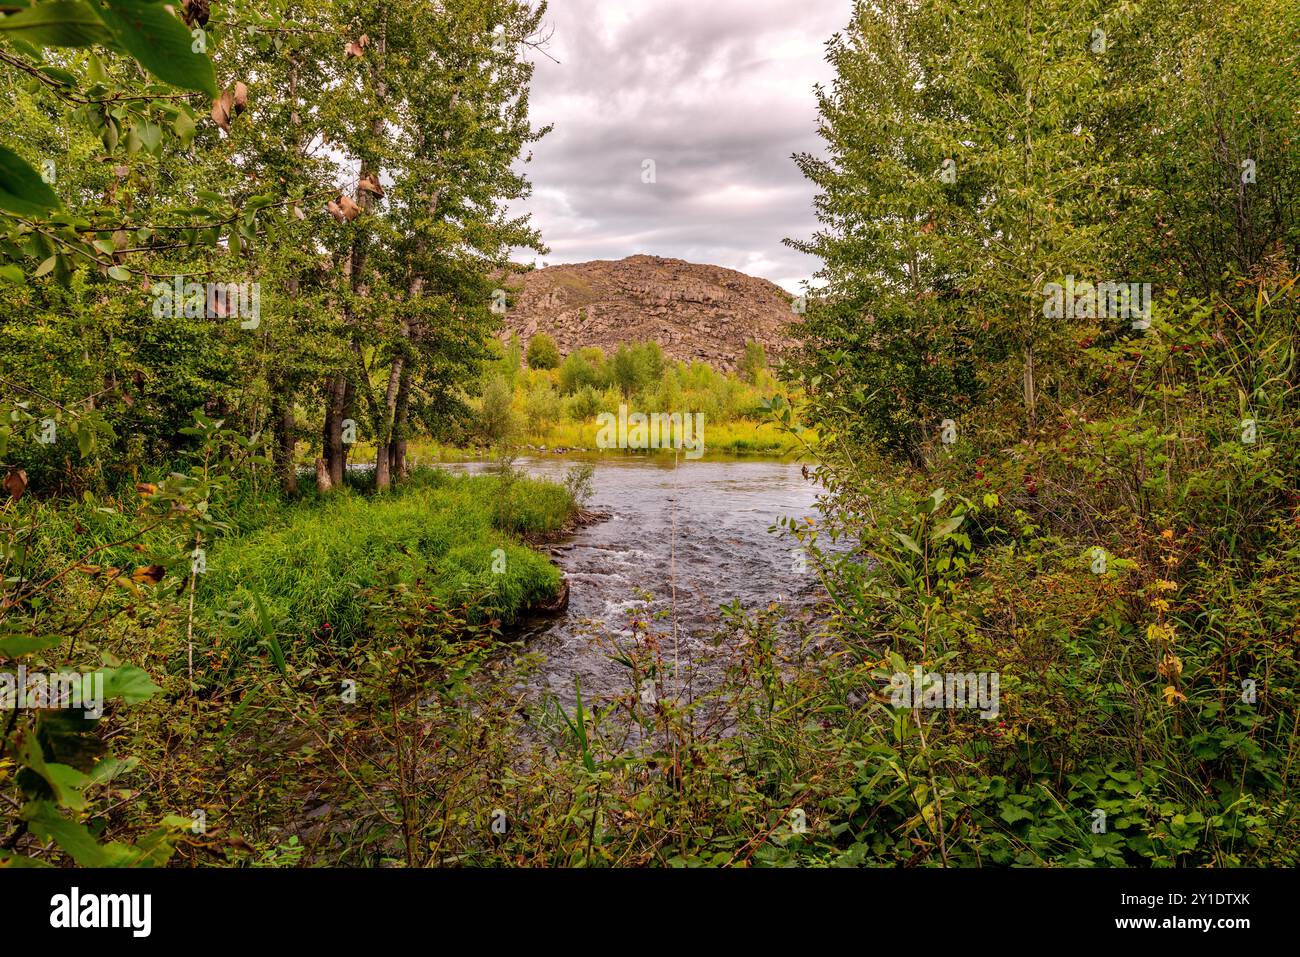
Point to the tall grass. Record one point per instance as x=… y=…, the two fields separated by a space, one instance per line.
x=451 y=537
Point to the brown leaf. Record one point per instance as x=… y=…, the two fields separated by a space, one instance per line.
x=353 y=50
x=221 y=108
x=370 y=184
x=151 y=574
x=16 y=483
x=195 y=12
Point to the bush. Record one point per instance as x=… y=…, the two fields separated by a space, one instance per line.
x=585 y=368
x=543 y=353
x=541 y=408
x=584 y=405
x=754 y=362
x=496 y=417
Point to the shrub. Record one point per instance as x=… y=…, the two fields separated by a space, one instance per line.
x=496 y=418
x=543 y=353
x=586 y=368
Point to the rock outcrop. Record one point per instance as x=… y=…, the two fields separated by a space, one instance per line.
x=693 y=311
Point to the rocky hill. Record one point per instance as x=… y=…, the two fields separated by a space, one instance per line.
x=693 y=311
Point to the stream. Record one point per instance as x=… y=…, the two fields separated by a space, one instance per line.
x=702 y=524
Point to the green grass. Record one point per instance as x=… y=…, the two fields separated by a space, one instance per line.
x=440 y=536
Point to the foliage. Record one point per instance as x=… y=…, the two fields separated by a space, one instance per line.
x=543 y=352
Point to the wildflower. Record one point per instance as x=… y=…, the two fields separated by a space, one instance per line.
x=1173 y=696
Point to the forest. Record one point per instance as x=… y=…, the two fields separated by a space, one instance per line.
x=1044 y=392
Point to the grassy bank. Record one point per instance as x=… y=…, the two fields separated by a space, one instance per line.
x=453 y=538
x=292 y=573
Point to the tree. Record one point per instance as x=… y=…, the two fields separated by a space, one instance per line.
x=754 y=362
x=543 y=352
x=963 y=174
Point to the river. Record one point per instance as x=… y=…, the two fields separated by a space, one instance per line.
x=703 y=526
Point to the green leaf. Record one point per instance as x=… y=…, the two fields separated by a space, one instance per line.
x=26 y=644
x=60 y=76
x=184 y=127
x=909 y=543
x=47 y=824
x=160 y=42
x=68 y=784
x=22 y=190
x=1011 y=813
x=61 y=23
x=947 y=527
x=110 y=135
x=151 y=136
x=45 y=267
x=120 y=273
x=129 y=683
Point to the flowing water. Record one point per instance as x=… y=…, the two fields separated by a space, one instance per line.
x=703 y=526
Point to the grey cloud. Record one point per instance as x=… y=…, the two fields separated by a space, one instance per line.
x=719 y=94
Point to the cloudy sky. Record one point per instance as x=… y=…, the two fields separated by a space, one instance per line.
x=718 y=93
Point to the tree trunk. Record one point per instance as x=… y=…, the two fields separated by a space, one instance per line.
x=349 y=393
x=286 y=440
x=332 y=432
x=1031 y=400
x=390 y=452
x=398 y=445
x=384 y=452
